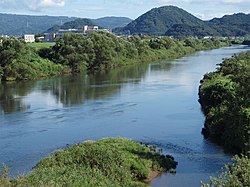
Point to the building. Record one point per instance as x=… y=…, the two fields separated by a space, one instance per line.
x=29 y=38
x=87 y=28
x=49 y=37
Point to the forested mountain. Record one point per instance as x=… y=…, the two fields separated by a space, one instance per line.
x=11 y=24
x=232 y=25
x=166 y=20
x=105 y=22
x=75 y=24
x=112 y=22
x=174 y=21
x=159 y=20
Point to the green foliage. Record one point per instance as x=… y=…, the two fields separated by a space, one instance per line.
x=235 y=175
x=225 y=99
x=38 y=46
x=107 y=162
x=19 y=62
x=100 y=50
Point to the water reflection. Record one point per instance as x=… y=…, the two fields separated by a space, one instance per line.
x=69 y=90
x=11 y=96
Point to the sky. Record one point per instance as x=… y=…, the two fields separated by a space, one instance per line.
x=203 y=9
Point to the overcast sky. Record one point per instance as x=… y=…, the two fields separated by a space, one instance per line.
x=204 y=9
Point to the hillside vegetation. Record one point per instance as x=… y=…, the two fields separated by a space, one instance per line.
x=108 y=162
x=232 y=25
x=225 y=99
x=158 y=20
x=174 y=21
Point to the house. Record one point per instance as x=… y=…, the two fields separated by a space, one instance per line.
x=29 y=38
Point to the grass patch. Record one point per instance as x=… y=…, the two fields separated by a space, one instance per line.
x=39 y=46
x=107 y=162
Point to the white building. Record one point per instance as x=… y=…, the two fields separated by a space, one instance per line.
x=29 y=38
x=87 y=28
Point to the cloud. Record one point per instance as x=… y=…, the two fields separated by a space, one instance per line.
x=32 y=5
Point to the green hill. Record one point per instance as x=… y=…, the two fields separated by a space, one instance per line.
x=105 y=22
x=75 y=24
x=159 y=20
x=174 y=21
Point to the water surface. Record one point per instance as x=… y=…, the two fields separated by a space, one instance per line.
x=154 y=103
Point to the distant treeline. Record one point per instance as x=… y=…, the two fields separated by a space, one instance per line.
x=225 y=99
x=96 y=51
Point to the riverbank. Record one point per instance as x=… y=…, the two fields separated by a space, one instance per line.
x=106 y=162
x=94 y=52
x=225 y=100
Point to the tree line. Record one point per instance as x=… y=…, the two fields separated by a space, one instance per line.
x=76 y=53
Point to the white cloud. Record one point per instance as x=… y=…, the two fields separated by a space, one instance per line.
x=33 y=5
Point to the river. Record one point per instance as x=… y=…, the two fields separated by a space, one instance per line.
x=152 y=103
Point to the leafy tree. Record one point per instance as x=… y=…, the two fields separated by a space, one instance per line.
x=235 y=175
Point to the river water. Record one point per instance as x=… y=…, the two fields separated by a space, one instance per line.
x=155 y=103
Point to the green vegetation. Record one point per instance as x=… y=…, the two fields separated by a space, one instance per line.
x=232 y=25
x=20 y=62
x=40 y=45
x=174 y=21
x=96 y=51
x=159 y=20
x=18 y=25
x=74 y=24
x=235 y=175
x=225 y=99
x=105 y=22
x=107 y=162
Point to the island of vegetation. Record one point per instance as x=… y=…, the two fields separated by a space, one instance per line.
x=106 y=162
x=76 y=53
x=225 y=99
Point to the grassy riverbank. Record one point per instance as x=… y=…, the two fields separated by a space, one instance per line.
x=97 y=51
x=107 y=162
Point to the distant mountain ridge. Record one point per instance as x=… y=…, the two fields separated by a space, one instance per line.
x=105 y=22
x=232 y=25
x=11 y=24
x=112 y=22
x=174 y=21
x=166 y=20
x=17 y=25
